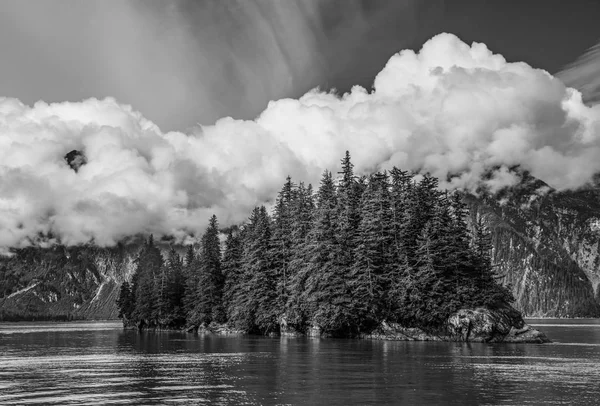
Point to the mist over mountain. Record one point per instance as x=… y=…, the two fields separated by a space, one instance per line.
x=455 y=110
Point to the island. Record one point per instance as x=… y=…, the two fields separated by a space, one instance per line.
x=383 y=256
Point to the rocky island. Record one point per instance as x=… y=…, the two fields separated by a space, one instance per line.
x=380 y=257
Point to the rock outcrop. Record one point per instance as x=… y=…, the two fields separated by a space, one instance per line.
x=484 y=325
x=469 y=325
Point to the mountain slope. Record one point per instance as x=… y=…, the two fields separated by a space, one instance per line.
x=63 y=283
x=546 y=245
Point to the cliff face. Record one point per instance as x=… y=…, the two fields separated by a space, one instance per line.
x=63 y=283
x=546 y=246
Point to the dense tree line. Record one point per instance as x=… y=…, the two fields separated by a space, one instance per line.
x=390 y=246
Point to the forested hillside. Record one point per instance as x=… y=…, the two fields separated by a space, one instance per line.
x=360 y=251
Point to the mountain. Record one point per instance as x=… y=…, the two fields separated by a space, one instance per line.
x=64 y=283
x=546 y=246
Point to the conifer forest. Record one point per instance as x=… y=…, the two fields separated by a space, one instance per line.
x=344 y=258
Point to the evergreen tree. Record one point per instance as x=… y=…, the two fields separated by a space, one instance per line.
x=209 y=299
x=425 y=289
x=125 y=302
x=422 y=199
x=482 y=245
x=174 y=291
x=190 y=256
x=303 y=208
x=254 y=304
x=192 y=275
x=462 y=253
x=348 y=213
x=282 y=240
x=264 y=277
x=374 y=255
x=232 y=269
x=241 y=309
x=486 y=290
x=401 y=190
x=326 y=298
x=146 y=277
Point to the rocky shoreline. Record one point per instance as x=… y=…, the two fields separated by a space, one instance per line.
x=479 y=325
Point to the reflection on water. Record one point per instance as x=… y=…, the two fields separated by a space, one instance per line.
x=99 y=363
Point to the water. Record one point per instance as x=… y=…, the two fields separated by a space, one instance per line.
x=99 y=363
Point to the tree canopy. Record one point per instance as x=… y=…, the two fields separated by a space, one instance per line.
x=357 y=252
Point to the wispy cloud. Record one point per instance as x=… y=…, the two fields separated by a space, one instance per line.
x=584 y=75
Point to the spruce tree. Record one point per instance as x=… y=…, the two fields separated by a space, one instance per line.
x=401 y=189
x=326 y=299
x=420 y=209
x=265 y=279
x=147 y=275
x=192 y=275
x=486 y=290
x=241 y=308
x=254 y=305
x=190 y=256
x=282 y=240
x=303 y=207
x=175 y=290
x=209 y=300
x=125 y=302
x=374 y=255
x=347 y=214
x=232 y=269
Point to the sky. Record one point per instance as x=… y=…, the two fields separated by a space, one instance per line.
x=187 y=109
x=185 y=62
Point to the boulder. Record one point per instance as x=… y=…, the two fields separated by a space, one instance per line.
x=485 y=325
x=526 y=334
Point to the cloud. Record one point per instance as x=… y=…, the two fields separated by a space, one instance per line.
x=457 y=111
x=584 y=75
x=185 y=61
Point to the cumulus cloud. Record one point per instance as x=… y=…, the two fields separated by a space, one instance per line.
x=457 y=111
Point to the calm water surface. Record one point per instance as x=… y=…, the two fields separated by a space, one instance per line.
x=99 y=363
